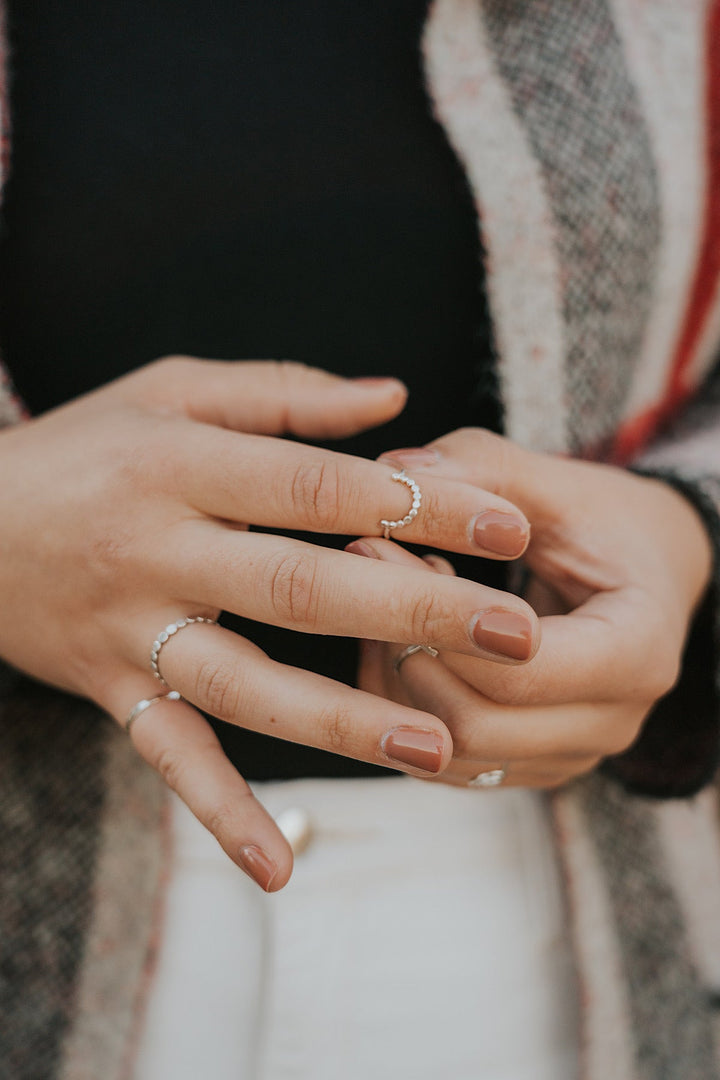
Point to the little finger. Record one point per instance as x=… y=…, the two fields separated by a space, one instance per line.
x=543 y=773
x=180 y=744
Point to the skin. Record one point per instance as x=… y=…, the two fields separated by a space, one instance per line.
x=130 y=508
x=618 y=566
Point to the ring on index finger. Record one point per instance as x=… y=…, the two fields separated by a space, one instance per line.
x=388 y=525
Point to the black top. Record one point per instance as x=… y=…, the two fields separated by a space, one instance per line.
x=241 y=180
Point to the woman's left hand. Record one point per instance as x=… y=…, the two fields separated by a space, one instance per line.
x=618 y=562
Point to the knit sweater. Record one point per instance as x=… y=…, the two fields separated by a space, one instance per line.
x=590 y=135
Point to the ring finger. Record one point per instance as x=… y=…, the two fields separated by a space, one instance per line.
x=230 y=678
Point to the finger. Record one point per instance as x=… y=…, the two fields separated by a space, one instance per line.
x=230 y=678
x=483 y=730
x=179 y=743
x=439 y=565
x=371 y=547
x=266 y=396
x=276 y=484
x=572 y=662
x=540 y=773
x=536 y=483
x=312 y=589
x=609 y=649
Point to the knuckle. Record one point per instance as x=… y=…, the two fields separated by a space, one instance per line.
x=622 y=735
x=294 y=590
x=433 y=518
x=664 y=676
x=429 y=619
x=222 y=820
x=655 y=670
x=315 y=495
x=517 y=688
x=338 y=728
x=165 y=369
x=288 y=372
x=216 y=689
x=469 y=735
x=170 y=766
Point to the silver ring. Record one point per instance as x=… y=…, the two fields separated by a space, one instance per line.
x=145 y=704
x=491 y=778
x=166 y=634
x=403 y=478
x=410 y=651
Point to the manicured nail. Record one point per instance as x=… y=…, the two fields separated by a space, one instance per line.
x=412 y=746
x=411 y=456
x=359 y=547
x=507 y=633
x=259 y=866
x=501 y=532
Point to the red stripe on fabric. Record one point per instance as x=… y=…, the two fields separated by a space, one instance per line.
x=634 y=434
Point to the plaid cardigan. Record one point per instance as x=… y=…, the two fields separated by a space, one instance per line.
x=590 y=135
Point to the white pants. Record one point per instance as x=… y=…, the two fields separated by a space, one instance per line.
x=421 y=935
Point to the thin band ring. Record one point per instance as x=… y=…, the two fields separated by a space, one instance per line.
x=165 y=635
x=489 y=778
x=147 y=703
x=387 y=525
x=410 y=650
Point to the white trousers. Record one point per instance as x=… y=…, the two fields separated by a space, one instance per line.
x=421 y=935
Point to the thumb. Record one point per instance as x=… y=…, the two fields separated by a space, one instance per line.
x=270 y=397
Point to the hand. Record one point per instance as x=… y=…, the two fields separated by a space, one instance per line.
x=619 y=563
x=129 y=509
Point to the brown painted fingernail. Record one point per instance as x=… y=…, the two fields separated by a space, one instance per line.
x=412 y=746
x=501 y=532
x=359 y=547
x=411 y=456
x=507 y=633
x=258 y=865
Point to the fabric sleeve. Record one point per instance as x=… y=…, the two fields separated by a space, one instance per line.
x=678 y=750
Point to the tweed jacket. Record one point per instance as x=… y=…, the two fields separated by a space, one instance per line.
x=590 y=136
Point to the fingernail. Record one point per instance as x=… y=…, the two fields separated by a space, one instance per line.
x=359 y=547
x=500 y=532
x=412 y=746
x=411 y=455
x=507 y=633
x=259 y=866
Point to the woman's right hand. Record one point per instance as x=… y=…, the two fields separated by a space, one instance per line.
x=129 y=508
